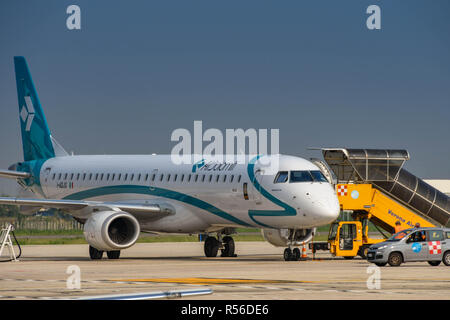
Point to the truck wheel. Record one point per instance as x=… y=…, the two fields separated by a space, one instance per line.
x=362 y=252
x=434 y=263
x=395 y=259
x=446 y=258
x=348 y=258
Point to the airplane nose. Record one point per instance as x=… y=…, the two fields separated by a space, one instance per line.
x=327 y=209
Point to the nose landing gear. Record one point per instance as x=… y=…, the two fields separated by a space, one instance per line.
x=292 y=255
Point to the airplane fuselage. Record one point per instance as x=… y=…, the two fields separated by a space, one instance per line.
x=205 y=198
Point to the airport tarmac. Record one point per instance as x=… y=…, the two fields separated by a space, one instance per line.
x=259 y=272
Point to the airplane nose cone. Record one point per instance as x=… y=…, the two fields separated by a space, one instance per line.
x=327 y=209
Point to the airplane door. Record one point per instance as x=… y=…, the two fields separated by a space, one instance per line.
x=257 y=182
x=153 y=178
x=47 y=178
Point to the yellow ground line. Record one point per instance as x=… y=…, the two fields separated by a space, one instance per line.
x=210 y=281
x=205 y=281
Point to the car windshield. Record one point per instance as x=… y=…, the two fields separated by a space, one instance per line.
x=400 y=235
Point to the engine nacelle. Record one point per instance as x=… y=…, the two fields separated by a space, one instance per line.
x=286 y=237
x=111 y=230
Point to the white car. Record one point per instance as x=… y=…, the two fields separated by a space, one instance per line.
x=417 y=244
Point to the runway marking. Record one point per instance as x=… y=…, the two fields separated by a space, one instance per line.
x=206 y=281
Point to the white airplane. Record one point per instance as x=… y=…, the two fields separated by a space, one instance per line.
x=118 y=196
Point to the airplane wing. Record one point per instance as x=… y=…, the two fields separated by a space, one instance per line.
x=73 y=205
x=10 y=174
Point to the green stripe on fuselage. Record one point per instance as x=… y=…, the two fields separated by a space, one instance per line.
x=157 y=192
x=288 y=210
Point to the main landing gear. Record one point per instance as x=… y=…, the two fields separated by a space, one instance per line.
x=226 y=246
x=96 y=254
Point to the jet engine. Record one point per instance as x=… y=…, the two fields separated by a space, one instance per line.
x=286 y=237
x=111 y=230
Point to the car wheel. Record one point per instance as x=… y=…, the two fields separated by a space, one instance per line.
x=446 y=258
x=434 y=263
x=395 y=259
x=381 y=264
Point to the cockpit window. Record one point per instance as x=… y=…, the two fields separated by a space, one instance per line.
x=318 y=176
x=301 y=176
x=281 y=177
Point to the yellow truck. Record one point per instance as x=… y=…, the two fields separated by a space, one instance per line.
x=373 y=186
x=351 y=238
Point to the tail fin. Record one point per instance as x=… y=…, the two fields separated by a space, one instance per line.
x=37 y=141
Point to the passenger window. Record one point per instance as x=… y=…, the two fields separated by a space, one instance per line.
x=436 y=235
x=447 y=235
x=300 y=176
x=281 y=177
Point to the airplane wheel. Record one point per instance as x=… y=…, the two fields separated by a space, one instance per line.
x=228 y=250
x=287 y=254
x=296 y=254
x=211 y=247
x=113 y=254
x=95 y=254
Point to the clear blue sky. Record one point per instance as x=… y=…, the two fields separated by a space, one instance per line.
x=137 y=70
